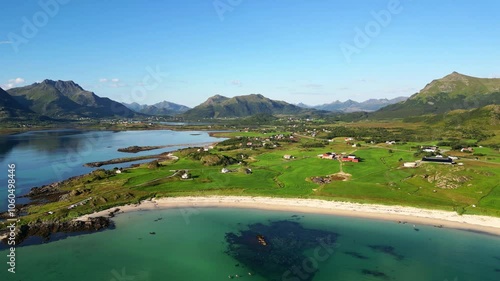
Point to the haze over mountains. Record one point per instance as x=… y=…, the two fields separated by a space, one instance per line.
x=161 y=108
x=67 y=100
x=354 y=106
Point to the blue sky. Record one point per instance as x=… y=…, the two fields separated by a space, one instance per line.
x=310 y=51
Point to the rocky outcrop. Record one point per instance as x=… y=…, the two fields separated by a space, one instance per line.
x=46 y=229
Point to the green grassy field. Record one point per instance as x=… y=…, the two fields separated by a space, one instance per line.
x=380 y=178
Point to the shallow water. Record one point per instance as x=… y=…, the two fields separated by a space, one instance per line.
x=43 y=157
x=193 y=244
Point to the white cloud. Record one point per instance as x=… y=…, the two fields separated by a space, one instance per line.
x=117 y=85
x=115 y=80
x=6 y=42
x=11 y=83
x=312 y=85
x=103 y=80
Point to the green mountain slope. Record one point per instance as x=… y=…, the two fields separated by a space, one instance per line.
x=452 y=92
x=66 y=99
x=10 y=108
x=240 y=106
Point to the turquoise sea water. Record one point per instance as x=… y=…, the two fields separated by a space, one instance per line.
x=43 y=157
x=193 y=244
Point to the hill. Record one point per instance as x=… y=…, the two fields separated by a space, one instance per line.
x=354 y=106
x=10 y=108
x=161 y=108
x=66 y=99
x=240 y=106
x=452 y=92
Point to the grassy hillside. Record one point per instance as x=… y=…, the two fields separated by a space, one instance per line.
x=452 y=92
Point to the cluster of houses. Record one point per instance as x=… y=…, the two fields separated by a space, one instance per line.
x=258 y=141
x=341 y=157
x=206 y=148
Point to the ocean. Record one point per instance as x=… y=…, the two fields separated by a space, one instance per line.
x=223 y=243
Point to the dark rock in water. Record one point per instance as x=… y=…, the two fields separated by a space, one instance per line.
x=497 y=270
x=287 y=241
x=356 y=255
x=152 y=233
x=45 y=229
x=387 y=250
x=375 y=273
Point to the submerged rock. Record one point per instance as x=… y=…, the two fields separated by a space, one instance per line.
x=356 y=255
x=375 y=273
x=283 y=257
x=387 y=250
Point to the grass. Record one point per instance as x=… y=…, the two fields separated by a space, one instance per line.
x=379 y=178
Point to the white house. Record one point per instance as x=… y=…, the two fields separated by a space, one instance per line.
x=224 y=171
x=185 y=176
x=410 y=164
x=287 y=156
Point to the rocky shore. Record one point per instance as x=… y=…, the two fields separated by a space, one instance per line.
x=46 y=229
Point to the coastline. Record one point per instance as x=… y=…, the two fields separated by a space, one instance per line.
x=445 y=219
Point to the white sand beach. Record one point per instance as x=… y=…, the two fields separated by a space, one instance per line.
x=412 y=215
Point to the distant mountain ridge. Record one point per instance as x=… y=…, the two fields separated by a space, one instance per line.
x=160 y=108
x=452 y=92
x=66 y=99
x=240 y=106
x=354 y=106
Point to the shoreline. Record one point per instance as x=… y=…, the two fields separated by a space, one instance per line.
x=445 y=219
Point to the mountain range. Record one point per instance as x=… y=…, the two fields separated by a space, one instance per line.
x=66 y=100
x=161 y=108
x=354 y=106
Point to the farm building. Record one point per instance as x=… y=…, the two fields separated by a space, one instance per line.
x=328 y=155
x=443 y=160
x=350 y=158
x=287 y=156
x=410 y=164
